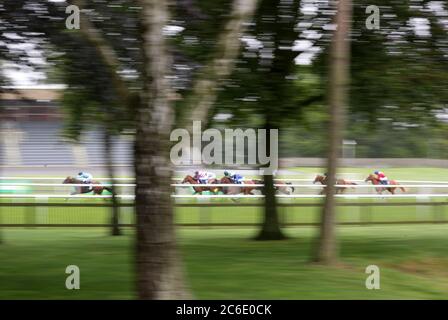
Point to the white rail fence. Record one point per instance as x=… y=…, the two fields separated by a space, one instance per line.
x=315 y=186
x=426 y=188
x=180 y=179
x=292 y=196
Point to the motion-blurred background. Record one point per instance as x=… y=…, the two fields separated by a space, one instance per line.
x=97 y=86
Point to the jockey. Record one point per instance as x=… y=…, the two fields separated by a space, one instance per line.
x=84 y=177
x=382 y=177
x=237 y=178
x=204 y=176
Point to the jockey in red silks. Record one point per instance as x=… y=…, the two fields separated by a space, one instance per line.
x=382 y=177
x=204 y=176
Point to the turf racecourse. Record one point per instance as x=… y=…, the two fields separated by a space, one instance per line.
x=251 y=215
x=224 y=263
x=227 y=264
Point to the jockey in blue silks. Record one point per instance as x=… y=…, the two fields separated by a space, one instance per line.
x=237 y=178
x=84 y=177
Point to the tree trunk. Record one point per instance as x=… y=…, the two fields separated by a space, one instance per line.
x=337 y=94
x=1 y=132
x=270 y=229
x=159 y=269
x=115 y=212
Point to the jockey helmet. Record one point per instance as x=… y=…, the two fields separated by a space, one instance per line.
x=226 y=173
x=377 y=172
x=80 y=173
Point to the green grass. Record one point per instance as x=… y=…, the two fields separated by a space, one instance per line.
x=217 y=215
x=226 y=264
x=408 y=173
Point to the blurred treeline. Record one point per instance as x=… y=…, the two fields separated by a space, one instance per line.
x=398 y=72
x=146 y=67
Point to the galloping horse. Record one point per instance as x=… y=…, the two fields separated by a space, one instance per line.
x=374 y=179
x=97 y=190
x=246 y=190
x=340 y=190
x=286 y=189
x=192 y=180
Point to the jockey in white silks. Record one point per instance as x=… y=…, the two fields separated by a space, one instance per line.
x=84 y=177
x=204 y=176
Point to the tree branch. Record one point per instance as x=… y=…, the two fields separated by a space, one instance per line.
x=204 y=90
x=105 y=51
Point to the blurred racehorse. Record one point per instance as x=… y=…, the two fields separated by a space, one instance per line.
x=374 y=179
x=247 y=189
x=191 y=180
x=284 y=188
x=340 y=190
x=97 y=190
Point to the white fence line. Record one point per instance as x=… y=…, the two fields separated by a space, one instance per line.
x=316 y=186
x=310 y=196
x=352 y=180
x=62 y=196
x=60 y=178
x=177 y=179
x=218 y=196
x=23 y=184
x=363 y=180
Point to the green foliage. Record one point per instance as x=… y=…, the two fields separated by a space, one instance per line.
x=398 y=77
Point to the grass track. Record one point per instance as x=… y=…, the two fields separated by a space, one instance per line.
x=408 y=173
x=210 y=215
x=226 y=264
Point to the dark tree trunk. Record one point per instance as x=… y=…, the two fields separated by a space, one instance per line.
x=115 y=211
x=1 y=129
x=159 y=268
x=327 y=251
x=270 y=229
